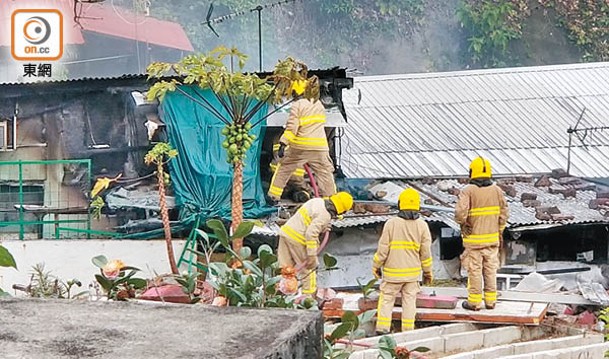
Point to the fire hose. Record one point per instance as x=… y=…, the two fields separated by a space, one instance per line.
x=324 y=242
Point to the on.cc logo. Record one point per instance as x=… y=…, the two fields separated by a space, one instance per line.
x=36 y=30
x=37 y=34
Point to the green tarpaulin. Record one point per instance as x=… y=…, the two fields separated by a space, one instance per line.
x=201 y=177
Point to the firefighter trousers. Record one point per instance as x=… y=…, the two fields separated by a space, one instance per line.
x=386 y=303
x=291 y=253
x=320 y=164
x=481 y=265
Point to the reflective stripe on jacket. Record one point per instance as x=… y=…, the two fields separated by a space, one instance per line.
x=482 y=213
x=305 y=126
x=404 y=250
x=307 y=224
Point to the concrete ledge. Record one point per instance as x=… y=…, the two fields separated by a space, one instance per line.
x=594 y=351
x=418 y=334
x=63 y=329
x=529 y=347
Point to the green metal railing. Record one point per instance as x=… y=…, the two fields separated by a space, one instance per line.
x=35 y=199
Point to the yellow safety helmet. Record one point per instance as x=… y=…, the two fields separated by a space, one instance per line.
x=409 y=200
x=480 y=168
x=342 y=201
x=299 y=86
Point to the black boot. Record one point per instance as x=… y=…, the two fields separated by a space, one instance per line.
x=468 y=306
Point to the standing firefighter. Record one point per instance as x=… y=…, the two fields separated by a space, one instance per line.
x=482 y=213
x=299 y=237
x=404 y=252
x=306 y=137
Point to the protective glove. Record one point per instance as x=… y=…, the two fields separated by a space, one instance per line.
x=312 y=262
x=376 y=272
x=500 y=239
x=281 y=151
x=427 y=278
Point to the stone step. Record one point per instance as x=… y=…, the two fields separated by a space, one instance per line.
x=529 y=347
x=593 y=351
x=459 y=341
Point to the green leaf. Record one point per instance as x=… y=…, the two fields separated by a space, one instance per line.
x=265 y=248
x=330 y=261
x=359 y=333
x=218 y=269
x=105 y=283
x=386 y=354
x=238 y=294
x=341 y=331
x=244 y=229
x=421 y=349
x=6 y=258
x=133 y=269
x=267 y=259
x=388 y=342
x=245 y=252
x=367 y=316
x=4 y=294
x=220 y=231
x=351 y=319
x=252 y=267
x=100 y=261
x=202 y=234
x=137 y=283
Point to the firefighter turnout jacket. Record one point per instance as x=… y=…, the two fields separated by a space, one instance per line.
x=482 y=213
x=404 y=250
x=305 y=126
x=307 y=224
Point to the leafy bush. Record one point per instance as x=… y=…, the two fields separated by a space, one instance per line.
x=117 y=279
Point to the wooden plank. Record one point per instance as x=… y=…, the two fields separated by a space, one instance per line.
x=504 y=313
x=515 y=296
x=521 y=313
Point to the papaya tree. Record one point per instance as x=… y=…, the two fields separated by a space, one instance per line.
x=160 y=154
x=241 y=96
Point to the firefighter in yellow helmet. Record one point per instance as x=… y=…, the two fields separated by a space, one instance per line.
x=404 y=252
x=296 y=188
x=306 y=137
x=482 y=213
x=299 y=237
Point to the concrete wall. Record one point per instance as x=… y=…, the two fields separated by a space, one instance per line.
x=69 y=259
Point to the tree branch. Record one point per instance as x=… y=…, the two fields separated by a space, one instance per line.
x=205 y=106
x=213 y=108
x=259 y=105
x=272 y=112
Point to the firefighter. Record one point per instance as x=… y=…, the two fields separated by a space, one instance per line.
x=306 y=137
x=404 y=252
x=299 y=237
x=296 y=188
x=482 y=213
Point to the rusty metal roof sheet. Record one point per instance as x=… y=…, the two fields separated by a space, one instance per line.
x=421 y=125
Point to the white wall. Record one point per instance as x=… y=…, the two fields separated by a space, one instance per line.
x=69 y=259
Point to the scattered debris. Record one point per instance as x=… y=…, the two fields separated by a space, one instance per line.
x=543 y=181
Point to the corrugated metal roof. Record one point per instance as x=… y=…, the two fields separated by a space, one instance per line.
x=435 y=192
x=422 y=125
x=520 y=215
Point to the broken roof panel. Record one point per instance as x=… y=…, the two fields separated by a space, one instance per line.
x=420 y=125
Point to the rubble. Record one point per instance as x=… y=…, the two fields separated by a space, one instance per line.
x=528 y=196
x=559 y=173
x=543 y=181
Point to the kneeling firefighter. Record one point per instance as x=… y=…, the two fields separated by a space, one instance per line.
x=404 y=252
x=299 y=237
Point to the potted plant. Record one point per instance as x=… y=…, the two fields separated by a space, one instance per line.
x=366 y=302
